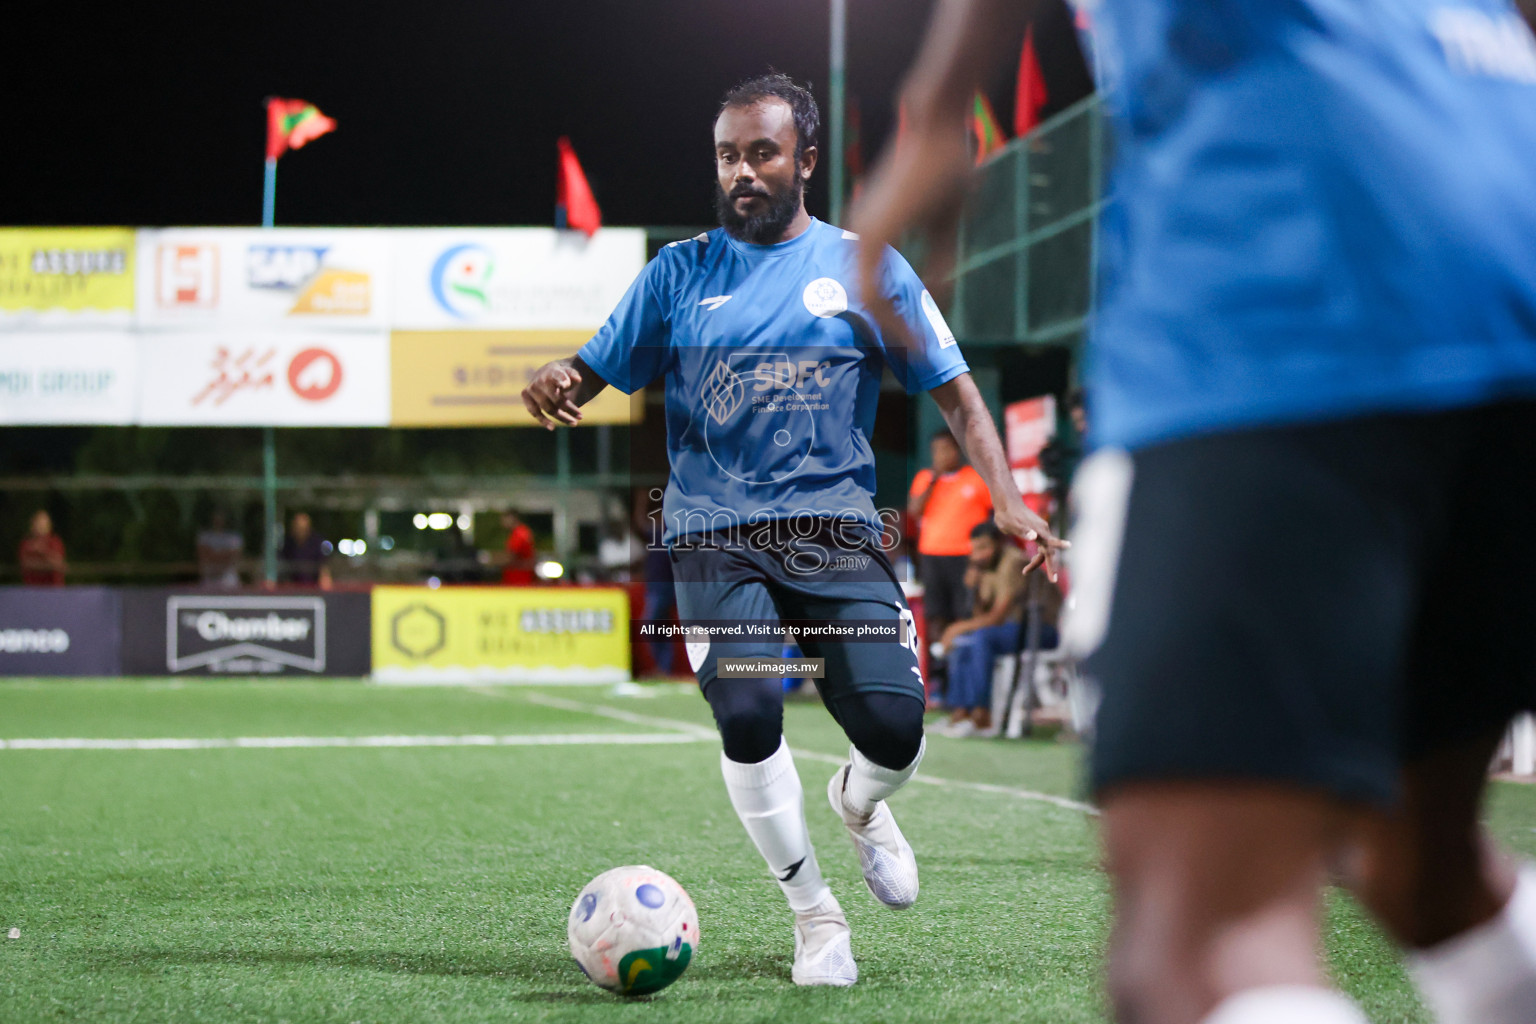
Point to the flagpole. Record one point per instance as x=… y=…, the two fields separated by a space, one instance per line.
x=839 y=48
x=268 y=436
x=269 y=193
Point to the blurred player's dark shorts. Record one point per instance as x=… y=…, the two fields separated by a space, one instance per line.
x=1319 y=604
x=814 y=575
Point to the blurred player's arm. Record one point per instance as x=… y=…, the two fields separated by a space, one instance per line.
x=559 y=389
x=970 y=421
x=920 y=183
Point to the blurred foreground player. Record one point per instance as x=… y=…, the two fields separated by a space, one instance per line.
x=772 y=371
x=1307 y=567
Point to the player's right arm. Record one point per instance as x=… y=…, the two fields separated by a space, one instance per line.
x=627 y=352
x=920 y=183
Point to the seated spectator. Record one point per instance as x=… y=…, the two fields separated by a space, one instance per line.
x=218 y=553
x=1000 y=594
x=41 y=554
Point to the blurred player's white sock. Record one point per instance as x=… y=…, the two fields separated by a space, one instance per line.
x=770 y=803
x=1487 y=974
x=868 y=783
x=1287 y=1004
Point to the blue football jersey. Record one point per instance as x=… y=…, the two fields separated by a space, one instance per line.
x=1322 y=208
x=772 y=367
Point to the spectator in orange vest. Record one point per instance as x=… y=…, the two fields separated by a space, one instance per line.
x=41 y=554
x=947 y=501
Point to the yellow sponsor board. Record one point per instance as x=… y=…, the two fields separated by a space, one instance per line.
x=67 y=270
x=500 y=634
x=466 y=378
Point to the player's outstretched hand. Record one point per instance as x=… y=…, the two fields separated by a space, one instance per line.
x=1021 y=522
x=551 y=395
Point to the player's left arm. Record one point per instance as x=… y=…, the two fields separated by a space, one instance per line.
x=558 y=389
x=970 y=421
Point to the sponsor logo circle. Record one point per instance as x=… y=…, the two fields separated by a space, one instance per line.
x=314 y=374
x=825 y=297
x=461 y=278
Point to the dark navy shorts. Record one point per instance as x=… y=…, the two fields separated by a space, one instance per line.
x=817 y=573
x=1316 y=605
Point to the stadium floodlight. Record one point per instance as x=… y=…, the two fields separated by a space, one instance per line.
x=419 y=521
x=359 y=547
x=465 y=520
x=344 y=546
x=550 y=570
x=386 y=543
x=439 y=520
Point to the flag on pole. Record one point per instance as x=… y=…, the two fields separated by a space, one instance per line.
x=1030 y=95
x=292 y=123
x=984 y=126
x=575 y=206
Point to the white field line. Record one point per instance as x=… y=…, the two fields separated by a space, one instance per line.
x=287 y=742
x=703 y=732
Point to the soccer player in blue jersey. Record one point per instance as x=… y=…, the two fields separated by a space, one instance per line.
x=1307 y=572
x=772 y=366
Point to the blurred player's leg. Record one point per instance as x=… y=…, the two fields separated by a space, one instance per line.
x=1433 y=878
x=1216 y=903
x=1428 y=869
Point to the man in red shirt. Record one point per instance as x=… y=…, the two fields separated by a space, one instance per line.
x=518 y=571
x=42 y=554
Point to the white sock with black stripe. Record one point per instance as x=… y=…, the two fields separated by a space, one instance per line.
x=771 y=804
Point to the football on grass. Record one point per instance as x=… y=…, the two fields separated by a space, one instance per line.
x=633 y=930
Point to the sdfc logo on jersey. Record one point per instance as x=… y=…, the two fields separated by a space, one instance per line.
x=825 y=297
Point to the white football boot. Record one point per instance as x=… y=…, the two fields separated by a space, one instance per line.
x=885 y=856
x=823 y=954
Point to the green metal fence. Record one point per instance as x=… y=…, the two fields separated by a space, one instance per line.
x=1024 y=274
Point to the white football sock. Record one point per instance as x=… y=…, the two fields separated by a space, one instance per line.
x=868 y=783
x=1287 y=1004
x=770 y=803
x=1487 y=974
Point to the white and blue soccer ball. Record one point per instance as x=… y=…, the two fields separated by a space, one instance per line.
x=633 y=930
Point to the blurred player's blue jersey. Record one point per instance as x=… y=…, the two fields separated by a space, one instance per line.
x=772 y=370
x=1322 y=208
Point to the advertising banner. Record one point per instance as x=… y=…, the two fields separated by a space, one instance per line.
x=59 y=631
x=512 y=278
x=462 y=378
x=66 y=277
x=306 y=279
x=212 y=633
x=1028 y=427
x=500 y=634
x=68 y=378
x=276 y=379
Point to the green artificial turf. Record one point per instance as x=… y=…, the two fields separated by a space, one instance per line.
x=432 y=884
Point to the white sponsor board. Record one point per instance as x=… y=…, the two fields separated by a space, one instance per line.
x=68 y=378
x=307 y=279
x=510 y=278
x=272 y=378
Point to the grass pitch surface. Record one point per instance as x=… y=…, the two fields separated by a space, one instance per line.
x=431 y=883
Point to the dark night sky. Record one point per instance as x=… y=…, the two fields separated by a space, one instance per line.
x=150 y=114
